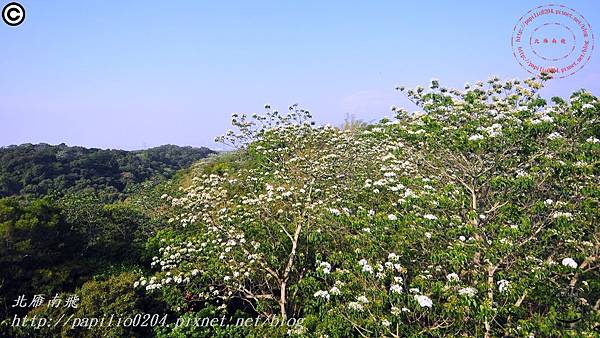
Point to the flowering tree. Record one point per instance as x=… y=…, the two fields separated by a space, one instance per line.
x=259 y=223
x=477 y=216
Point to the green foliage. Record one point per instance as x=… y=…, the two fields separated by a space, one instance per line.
x=110 y=297
x=48 y=247
x=43 y=169
x=113 y=231
x=92 y=228
x=37 y=250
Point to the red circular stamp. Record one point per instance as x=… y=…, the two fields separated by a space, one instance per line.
x=553 y=39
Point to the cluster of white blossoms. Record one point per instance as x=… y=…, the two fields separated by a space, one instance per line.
x=554 y=135
x=430 y=217
x=365 y=266
x=468 y=291
x=503 y=285
x=452 y=277
x=322 y=294
x=335 y=289
x=359 y=304
x=172 y=256
x=424 y=301
x=397 y=288
x=154 y=283
x=561 y=214
x=541 y=117
x=492 y=131
x=325 y=267
x=335 y=219
x=570 y=262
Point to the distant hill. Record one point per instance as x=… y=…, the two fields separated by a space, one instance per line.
x=40 y=169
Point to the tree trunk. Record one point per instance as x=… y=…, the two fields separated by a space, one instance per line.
x=282 y=301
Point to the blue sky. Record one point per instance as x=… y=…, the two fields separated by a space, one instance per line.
x=137 y=74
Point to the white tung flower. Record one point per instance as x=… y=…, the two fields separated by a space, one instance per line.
x=452 y=277
x=326 y=267
x=554 y=136
x=424 y=301
x=587 y=106
x=592 y=139
x=396 y=288
x=560 y=214
x=355 y=306
x=476 y=137
x=570 y=262
x=430 y=217
x=362 y=299
x=409 y=193
x=503 y=285
x=392 y=217
x=334 y=211
x=386 y=323
x=322 y=294
x=468 y=291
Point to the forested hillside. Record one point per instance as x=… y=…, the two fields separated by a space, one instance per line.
x=41 y=169
x=75 y=219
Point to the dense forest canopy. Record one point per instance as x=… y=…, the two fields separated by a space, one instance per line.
x=75 y=220
x=41 y=169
